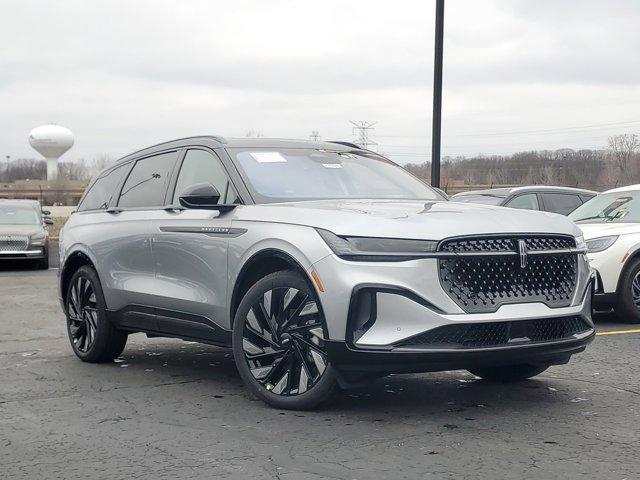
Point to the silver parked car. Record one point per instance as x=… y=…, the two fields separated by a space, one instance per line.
x=321 y=265
x=23 y=235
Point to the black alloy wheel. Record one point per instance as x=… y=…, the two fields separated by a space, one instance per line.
x=82 y=311
x=279 y=343
x=628 y=296
x=93 y=338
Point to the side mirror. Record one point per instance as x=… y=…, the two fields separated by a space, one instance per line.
x=48 y=221
x=200 y=195
x=203 y=196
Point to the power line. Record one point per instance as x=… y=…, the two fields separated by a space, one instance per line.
x=521 y=132
x=361 y=129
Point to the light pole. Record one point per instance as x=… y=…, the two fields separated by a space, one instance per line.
x=437 y=95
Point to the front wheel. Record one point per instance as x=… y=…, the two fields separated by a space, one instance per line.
x=628 y=304
x=278 y=343
x=93 y=338
x=509 y=373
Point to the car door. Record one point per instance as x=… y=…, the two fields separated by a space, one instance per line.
x=190 y=252
x=119 y=244
x=562 y=203
x=130 y=266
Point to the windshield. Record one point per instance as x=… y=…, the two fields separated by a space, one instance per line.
x=16 y=215
x=618 y=207
x=305 y=174
x=484 y=199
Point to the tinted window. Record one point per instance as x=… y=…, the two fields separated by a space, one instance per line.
x=562 y=203
x=147 y=182
x=102 y=190
x=200 y=166
x=528 y=201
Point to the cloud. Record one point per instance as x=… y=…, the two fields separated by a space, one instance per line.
x=123 y=75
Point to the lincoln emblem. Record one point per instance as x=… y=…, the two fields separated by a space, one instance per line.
x=522 y=250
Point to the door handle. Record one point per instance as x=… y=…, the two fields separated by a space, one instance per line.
x=113 y=210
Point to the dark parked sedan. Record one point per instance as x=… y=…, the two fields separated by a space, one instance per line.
x=563 y=200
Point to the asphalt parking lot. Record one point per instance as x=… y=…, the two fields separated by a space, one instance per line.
x=170 y=409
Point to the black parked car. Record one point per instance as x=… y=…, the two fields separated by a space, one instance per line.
x=563 y=200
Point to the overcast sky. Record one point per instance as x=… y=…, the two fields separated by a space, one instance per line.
x=127 y=74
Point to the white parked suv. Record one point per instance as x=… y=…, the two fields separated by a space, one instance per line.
x=611 y=226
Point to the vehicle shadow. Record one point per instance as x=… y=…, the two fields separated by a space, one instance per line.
x=450 y=394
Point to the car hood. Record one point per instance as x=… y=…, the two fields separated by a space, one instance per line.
x=595 y=230
x=433 y=220
x=20 y=229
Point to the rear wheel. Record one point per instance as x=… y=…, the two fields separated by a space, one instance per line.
x=509 y=373
x=278 y=343
x=93 y=338
x=628 y=303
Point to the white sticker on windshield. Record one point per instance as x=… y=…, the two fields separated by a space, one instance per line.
x=331 y=165
x=268 y=157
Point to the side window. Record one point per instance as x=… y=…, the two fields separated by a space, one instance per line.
x=562 y=203
x=200 y=166
x=146 y=184
x=101 y=191
x=528 y=201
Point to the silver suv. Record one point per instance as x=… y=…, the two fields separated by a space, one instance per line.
x=321 y=265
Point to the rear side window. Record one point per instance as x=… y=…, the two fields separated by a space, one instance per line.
x=147 y=182
x=200 y=166
x=101 y=191
x=527 y=201
x=561 y=203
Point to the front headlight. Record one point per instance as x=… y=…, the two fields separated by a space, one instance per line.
x=38 y=239
x=377 y=249
x=600 y=244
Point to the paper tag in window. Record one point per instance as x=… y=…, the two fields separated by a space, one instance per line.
x=268 y=157
x=331 y=165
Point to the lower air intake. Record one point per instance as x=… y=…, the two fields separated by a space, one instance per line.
x=498 y=334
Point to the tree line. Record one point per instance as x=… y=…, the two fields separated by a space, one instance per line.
x=35 y=169
x=616 y=165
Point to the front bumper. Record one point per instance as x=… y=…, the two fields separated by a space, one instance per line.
x=406 y=303
x=404 y=360
x=34 y=253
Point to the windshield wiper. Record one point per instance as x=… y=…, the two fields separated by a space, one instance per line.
x=594 y=217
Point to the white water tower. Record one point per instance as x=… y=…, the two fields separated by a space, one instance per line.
x=51 y=141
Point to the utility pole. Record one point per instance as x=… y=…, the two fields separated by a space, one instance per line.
x=362 y=128
x=315 y=136
x=437 y=95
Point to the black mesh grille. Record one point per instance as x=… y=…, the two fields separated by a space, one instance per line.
x=496 y=334
x=481 y=284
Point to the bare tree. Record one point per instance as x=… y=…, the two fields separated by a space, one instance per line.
x=623 y=147
x=251 y=133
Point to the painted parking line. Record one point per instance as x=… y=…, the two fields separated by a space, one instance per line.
x=619 y=332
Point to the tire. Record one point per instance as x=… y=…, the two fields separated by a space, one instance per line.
x=278 y=343
x=626 y=308
x=509 y=373
x=93 y=337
